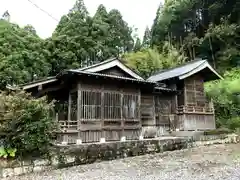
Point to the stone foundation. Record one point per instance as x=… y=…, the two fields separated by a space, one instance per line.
x=71 y=155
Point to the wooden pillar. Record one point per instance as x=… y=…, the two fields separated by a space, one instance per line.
x=103 y=134
x=140 y=114
x=69 y=105
x=79 y=108
x=185 y=94
x=121 y=113
x=154 y=112
x=185 y=103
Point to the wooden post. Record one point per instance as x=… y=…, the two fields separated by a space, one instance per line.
x=102 y=113
x=79 y=108
x=185 y=94
x=69 y=106
x=139 y=114
x=121 y=113
x=154 y=112
x=139 y=106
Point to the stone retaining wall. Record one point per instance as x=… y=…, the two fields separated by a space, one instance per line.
x=65 y=156
x=71 y=155
x=220 y=139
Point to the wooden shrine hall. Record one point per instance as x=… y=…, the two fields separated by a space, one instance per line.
x=108 y=101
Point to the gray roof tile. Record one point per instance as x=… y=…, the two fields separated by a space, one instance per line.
x=184 y=69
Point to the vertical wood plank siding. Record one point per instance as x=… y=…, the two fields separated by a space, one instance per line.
x=103 y=112
x=197 y=112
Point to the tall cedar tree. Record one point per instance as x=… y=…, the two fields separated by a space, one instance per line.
x=200 y=28
x=146 y=38
x=137 y=45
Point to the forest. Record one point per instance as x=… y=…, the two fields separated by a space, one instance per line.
x=182 y=31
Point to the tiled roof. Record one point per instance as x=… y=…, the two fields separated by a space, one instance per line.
x=121 y=78
x=183 y=71
x=32 y=84
x=110 y=76
x=109 y=63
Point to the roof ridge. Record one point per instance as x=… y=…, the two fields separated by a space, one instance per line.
x=97 y=64
x=181 y=65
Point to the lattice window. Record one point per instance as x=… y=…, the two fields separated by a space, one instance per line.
x=191 y=98
x=90 y=105
x=199 y=86
x=163 y=105
x=112 y=105
x=190 y=87
x=200 y=98
x=74 y=106
x=130 y=106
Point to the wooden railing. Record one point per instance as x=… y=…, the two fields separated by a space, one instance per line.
x=194 y=109
x=68 y=126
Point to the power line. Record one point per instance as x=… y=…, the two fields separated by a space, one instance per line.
x=43 y=10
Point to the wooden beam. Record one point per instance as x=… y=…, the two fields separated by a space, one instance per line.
x=50 y=89
x=32 y=85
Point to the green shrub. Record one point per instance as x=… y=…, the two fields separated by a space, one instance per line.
x=218 y=131
x=26 y=124
x=225 y=94
x=233 y=123
x=7 y=152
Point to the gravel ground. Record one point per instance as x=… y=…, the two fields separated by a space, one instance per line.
x=202 y=163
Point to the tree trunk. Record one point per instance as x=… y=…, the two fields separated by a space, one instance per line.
x=211 y=48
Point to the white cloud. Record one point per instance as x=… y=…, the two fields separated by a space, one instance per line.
x=138 y=13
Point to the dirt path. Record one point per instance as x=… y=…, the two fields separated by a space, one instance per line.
x=203 y=163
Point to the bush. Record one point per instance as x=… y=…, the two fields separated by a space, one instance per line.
x=218 y=131
x=26 y=123
x=233 y=123
x=225 y=94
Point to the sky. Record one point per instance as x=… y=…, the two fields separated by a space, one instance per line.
x=137 y=13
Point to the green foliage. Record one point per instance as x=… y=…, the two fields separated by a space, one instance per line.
x=234 y=123
x=7 y=152
x=208 y=29
x=137 y=45
x=226 y=97
x=3 y=153
x=148 y=61
x=21 y=55
x=25 y=124
x=145 y=62
x=81 y=40
x=146 y=38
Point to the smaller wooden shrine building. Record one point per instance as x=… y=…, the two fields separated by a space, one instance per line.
x=110 y=101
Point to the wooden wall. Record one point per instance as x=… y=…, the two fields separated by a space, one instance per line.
x=195 y=111
x=158 y=111
x=148 y=110
x=196 y=122
x=115 y=71
x=194 y=92
x=103 y=110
